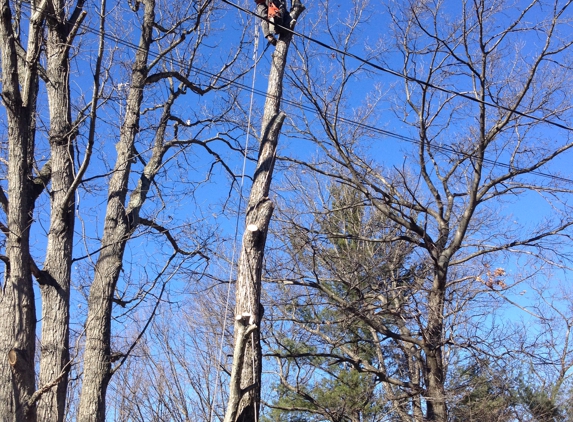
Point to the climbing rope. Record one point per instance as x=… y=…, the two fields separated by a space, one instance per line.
x=233 y=255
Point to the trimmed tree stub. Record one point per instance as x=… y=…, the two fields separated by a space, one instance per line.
x=244 y=327
x=245 y=384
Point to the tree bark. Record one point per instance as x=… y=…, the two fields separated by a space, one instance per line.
x=117 y=228
x=247 y=357
x=17 y=307
x=56 y=275
x=435 y=391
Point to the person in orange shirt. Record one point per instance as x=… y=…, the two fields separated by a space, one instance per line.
x=273 y=13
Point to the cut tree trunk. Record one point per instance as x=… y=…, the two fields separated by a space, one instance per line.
x=245 y=385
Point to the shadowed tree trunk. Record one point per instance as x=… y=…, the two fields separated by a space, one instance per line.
x=21 y=70
x=55 y=278
x=17 y=309
x=117 y=228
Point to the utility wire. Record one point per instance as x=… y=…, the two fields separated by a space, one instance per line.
x=405 y=76
x=444 y=149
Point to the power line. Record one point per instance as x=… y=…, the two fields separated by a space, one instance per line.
x=407 y=77
x=444 y=149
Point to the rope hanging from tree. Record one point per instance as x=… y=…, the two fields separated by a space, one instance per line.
x=233 y=255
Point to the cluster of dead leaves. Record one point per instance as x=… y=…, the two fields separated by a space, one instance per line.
x=493 y=278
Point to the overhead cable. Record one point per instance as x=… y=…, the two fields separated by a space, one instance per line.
x=442 y=148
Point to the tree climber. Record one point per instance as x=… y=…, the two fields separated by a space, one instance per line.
x=274 y=15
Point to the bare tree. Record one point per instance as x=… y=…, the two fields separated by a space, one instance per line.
x=174 y=367
x=545 y=385
x=245 y=382
x=124 y=205
x=21 y=72
x=55 y=279
x=481 y=108
x=58 y=161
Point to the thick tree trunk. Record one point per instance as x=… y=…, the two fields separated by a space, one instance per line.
x=55 y=288
x=119 y=224
x=55 y=291
x=435 y=391
x=248 y=290
x=245 y=388
x=18 y=318
x=17 y=307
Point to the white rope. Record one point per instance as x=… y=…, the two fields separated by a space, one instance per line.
x=221 y=342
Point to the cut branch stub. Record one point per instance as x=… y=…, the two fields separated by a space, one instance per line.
x=244 y=403
x=12 y=357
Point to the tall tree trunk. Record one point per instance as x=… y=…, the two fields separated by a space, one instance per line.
x=245 y=384
x=18 y=317
x=117 y=228
x=55 y=288
x=17 y=307
x=435 y=392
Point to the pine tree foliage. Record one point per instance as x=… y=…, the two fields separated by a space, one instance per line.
x=348 y=370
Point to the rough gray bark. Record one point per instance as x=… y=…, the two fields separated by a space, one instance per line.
x=21 y=66
x=245 y=389
x=433 y=348
x=117 y=228
x=17 y=308
x=52 y=32
x=56 y=275
x=122 y=220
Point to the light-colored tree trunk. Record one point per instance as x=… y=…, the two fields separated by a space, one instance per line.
x=245 y=384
